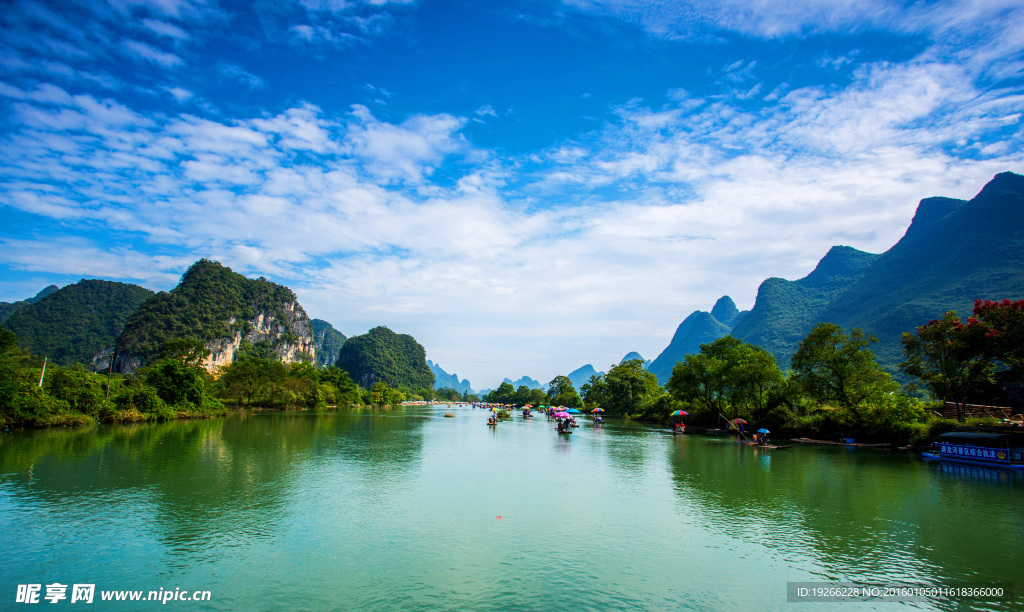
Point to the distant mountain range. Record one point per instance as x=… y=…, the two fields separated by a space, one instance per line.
x=444 y=380
x=955 y=251
x=526 y=380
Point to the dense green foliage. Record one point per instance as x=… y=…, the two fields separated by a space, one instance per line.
x=174 y=385
x=211 y=302
x=78 y=322
x=381 y=355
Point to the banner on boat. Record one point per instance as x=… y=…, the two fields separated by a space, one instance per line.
x=999 y=455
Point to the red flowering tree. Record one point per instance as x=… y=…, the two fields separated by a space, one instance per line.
x=951 y=357
x=1005 y=336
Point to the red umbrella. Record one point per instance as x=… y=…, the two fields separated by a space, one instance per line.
x=739 y=421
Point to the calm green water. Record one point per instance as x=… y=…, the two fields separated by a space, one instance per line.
x=397 y=510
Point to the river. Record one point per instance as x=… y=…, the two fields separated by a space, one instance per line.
x=404 y=509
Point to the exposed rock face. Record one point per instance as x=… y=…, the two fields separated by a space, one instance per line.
x=267 y=331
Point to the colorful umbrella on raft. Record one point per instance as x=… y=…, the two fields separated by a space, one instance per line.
x=739 y=421
x=562 y=415
x=679 y=413
x=573 y=411
x=763 y=430
x=598 y=410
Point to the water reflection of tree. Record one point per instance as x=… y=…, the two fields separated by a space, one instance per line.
x=869 y=514
x=210 y=482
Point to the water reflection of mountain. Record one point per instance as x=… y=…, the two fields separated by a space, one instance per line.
x=208 y=483
x=875 y=514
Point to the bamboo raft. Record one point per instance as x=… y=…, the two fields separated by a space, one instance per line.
x=764 y=445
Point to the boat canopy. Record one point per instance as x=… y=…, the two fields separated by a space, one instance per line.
x=976 y=438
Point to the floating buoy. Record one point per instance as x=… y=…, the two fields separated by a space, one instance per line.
x=498 y=517
x=449 y=416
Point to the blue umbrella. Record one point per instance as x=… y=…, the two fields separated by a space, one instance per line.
x=573 y=411
x=763 y=430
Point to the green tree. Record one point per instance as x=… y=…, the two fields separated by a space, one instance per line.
x=504 y=394
x=447 y=394
x=190 y=351
x=728 y=377
x=176 y=382
x=382 y=394
x=561 y=392
x=630 y=388
x=254 y=379
x=950 y=358
x=594 y=391
x=522 y=396
x=343 y=390
x=837 y=368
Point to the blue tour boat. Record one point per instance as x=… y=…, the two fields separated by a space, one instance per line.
x=1003 y=450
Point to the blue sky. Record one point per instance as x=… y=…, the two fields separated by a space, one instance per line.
x=524 y=186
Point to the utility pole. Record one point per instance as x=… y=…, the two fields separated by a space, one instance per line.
x=109 y=371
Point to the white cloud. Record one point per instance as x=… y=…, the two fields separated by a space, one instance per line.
x=164 y=28
x=409 y=151
x=240 y=75
x=179 y=93
x=143 y=51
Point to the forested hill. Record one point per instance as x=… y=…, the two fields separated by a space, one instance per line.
x=9 y=308
x=328 y=342
x=230 y=313
x=381 y=355
x=79 y=323
x=954 y=252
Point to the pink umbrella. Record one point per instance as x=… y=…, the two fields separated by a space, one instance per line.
x=562 y=415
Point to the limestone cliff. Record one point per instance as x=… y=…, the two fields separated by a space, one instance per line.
x=232 y=315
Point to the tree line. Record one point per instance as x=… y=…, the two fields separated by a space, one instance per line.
x=37 y=393
x=833 y=387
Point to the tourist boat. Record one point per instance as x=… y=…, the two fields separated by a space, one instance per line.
x=979 y=448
